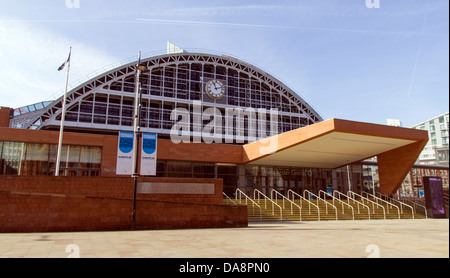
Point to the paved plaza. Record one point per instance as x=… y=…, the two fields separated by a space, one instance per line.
x=421 y=238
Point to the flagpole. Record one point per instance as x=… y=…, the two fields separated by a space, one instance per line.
x=63 y=116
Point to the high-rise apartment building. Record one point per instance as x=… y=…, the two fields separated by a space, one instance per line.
x=436 y=150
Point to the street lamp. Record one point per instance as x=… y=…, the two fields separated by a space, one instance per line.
x=137 y=126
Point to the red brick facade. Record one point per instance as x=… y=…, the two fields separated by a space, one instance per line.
x=47 y=204
x=4 y=116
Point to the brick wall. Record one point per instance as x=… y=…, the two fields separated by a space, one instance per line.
x=4 y=116
x=48 y=204
x=53 y=213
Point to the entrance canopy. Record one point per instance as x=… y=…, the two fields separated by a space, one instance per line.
x=335 y=143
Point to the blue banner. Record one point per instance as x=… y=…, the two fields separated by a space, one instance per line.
x=148 y=154
x=125 y=153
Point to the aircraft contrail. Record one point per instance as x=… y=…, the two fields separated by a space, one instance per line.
x=417 y=56
x=171 y=21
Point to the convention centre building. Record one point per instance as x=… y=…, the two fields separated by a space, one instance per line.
x=216 y=117
x=210 y=126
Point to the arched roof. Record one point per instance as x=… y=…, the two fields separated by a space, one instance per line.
x=50 y=115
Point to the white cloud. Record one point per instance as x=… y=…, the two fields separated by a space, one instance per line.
x=30 y=57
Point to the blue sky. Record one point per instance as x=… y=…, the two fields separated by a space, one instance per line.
x=346 y=60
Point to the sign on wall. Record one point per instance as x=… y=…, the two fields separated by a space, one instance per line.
x=125 y=153
x=148 y=154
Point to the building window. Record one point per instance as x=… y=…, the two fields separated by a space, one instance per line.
x=230 y=176
x=11 y=158
x=203 y=170
x=32 y=159
x=182 y=169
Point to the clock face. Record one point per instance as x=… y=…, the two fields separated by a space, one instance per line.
x=215 y=89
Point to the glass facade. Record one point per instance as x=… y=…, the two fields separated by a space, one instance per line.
x=282 y=179
x=265 y=178
x=185 y=169
x=178 y=81
x=30 y=159
x=164 y=88
x=18 y=158
x=230 y=175
x=169 y=87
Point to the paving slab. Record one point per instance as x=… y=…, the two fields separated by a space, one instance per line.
x=419 y=238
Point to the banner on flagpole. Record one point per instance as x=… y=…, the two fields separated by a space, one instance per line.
x=148 y=154
x=125 y=153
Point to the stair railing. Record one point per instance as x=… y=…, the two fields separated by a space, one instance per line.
x=379 y=199
x=290 y=191
x=258 y=193
x=318 y=198
x=284 y=198
x=368 y=200
x=415 y=205
x=228 y=198
x=239 y=193
x=343 y=203
x=354 y=200
x=401 y=203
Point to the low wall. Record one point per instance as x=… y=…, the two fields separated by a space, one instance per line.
x=51 y=204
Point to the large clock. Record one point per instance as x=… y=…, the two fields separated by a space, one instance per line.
x=215 y=89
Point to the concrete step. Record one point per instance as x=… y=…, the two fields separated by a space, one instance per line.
x=310 y=212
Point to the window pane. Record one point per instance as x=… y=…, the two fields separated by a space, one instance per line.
x=12 y=156
x=179 y=169
x=90 y=157
x=37 y=152
x=73 y=159
x=161 y=168
x=203 y=170
x=36 y=160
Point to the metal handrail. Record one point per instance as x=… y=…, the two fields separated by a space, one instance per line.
x=284 y=197
x=388 y=204
x=248 y=198
x=318 y=198
x=302 y=198
x=370 y=201
x=416 y=204
x=334 y=198
x=226 y=197
x=401 y=203
x=354 y=200
x=256 y=191
x=386 y=197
